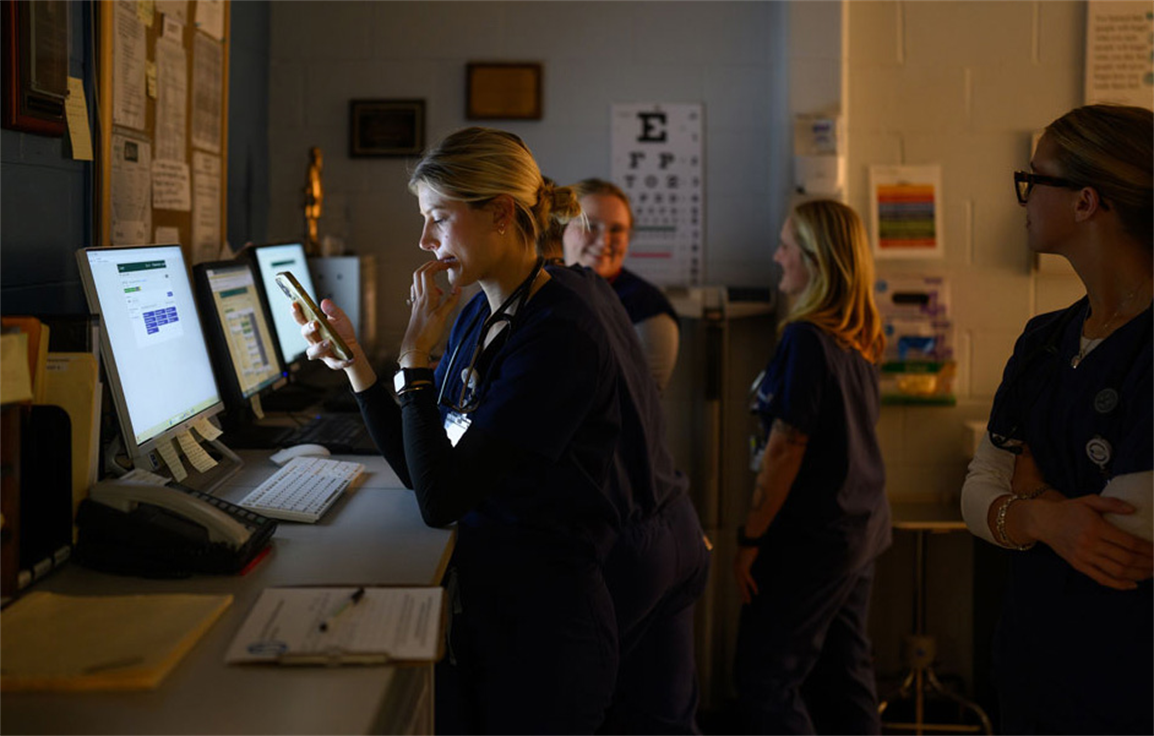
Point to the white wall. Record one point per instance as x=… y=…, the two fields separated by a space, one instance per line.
x=730 y=56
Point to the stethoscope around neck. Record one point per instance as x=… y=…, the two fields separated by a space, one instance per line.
x=1106 y=399
x=470 y=396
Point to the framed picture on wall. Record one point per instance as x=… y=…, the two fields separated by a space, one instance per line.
x=35 y=68
x=386 y=128
x=504 y=91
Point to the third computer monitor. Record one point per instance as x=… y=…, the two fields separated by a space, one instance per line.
x=269 y=260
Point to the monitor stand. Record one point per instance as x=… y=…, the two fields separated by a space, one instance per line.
x=228 y=464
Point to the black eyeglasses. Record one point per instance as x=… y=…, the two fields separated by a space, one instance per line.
x=1024 y=183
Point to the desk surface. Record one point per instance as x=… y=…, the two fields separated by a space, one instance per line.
x=927 y=516
x=374 y=534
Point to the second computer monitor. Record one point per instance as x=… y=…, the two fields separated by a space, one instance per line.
x=269 y=260
x=239 y=330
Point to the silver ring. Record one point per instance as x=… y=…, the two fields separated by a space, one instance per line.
x=409 y=301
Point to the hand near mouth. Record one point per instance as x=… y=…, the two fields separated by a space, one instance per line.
x=431 y=310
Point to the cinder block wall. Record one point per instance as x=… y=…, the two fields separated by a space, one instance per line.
x=964 y=85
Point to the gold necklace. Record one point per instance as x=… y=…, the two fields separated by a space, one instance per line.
x=1088 y=345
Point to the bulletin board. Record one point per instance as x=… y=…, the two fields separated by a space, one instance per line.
x=162 y=98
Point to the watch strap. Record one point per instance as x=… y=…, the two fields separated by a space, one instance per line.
x=412 y=379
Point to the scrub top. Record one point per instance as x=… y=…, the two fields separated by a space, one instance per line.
x=642 y=299
x=646 y=478
x=1081 y=654
x=836 y=509
x=548 y=385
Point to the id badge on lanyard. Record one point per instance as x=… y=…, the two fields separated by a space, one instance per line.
x=456 y=424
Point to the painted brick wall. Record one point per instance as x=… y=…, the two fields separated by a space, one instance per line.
x=964 y=85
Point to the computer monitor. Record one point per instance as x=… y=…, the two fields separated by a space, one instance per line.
x=240 y=336
x=268 y=260
x=155 y=356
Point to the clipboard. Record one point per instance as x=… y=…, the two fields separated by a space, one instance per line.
x=366 y=625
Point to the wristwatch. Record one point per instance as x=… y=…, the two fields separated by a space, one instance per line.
x=411 y=379
x=746 y=541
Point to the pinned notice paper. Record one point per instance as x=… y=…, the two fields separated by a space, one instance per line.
x=206 y=429
x=196 y=454
x=171 y=459
x=76 y=111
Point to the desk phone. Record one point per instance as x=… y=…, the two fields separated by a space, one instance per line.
x=144 y=528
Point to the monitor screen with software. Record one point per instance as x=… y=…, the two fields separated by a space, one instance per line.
x=270 y=259
x=156 y=358
x=239 y=330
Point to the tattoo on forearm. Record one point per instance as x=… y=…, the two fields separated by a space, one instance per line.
x=791 y=434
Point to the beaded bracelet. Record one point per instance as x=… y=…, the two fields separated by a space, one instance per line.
x=1000 y=524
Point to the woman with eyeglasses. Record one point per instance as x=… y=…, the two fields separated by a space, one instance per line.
x=1063 y=479
x=600 y=241
x=819 y=518
x=513 y=436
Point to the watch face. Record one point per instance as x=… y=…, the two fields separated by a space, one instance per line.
x=399 y=380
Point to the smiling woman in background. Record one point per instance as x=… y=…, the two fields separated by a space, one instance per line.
x=1070 y=435
x=601 y=243
x=819 y=518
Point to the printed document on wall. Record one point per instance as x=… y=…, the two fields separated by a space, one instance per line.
x=206 y=231
x=906 y=211
x=178 y=9
x=1120 y=52
x=210 y=18
x=207 y=106
x=657 y=158
x=171 y=102
x=128 y=57
x=130 y=191
x=170 y=186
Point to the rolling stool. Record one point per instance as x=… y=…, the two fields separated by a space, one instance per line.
x=920 y=648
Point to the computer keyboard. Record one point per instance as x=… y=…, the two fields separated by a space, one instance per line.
x=304 y=489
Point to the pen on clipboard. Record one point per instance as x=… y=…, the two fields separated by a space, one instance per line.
x=348 y=603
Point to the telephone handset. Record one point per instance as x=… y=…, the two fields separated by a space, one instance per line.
x=143 y=528
x=125 y=495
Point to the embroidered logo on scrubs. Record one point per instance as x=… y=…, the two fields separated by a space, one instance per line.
x=1105 y=401
x=1099 y=451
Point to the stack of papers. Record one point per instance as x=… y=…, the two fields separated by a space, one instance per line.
x=342 y=625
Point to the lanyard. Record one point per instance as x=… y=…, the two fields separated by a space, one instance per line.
x=468 y=401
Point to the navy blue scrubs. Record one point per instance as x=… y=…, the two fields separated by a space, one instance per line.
x=803 y=661
x=660 y=564
x=642 y=299
x=1071 y=655
x=533 y=645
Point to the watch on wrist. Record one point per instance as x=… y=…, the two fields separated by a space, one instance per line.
x=744 y=540
x=411 y=379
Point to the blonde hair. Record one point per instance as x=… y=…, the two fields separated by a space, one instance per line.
x=476 y=165
x=839 y=297
x=1111 y=148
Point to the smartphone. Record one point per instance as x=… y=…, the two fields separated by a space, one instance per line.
x=293 y=290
